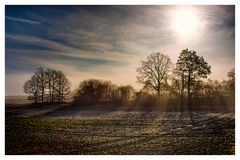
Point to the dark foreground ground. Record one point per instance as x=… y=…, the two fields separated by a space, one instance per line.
x=42 y=130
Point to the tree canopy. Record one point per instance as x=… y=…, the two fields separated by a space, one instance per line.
x=154 y=70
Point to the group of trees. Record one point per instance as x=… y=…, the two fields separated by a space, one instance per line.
x=94 y=91
x=47 y=85
x=184 y=80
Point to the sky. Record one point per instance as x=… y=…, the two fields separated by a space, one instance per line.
x=109 y=42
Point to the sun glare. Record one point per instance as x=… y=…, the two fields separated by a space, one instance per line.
x=186 y=23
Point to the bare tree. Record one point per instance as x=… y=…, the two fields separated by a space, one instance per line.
x=49 y=81
x=41 y=77
x=192 y=68
x=54 y=81
x=63 y=86
x=154 y=70
x=31 y=87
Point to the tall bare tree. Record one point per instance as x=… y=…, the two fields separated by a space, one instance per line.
x=54 y=88
x=31 y=87
x=63 y=86
x=49 y=81
x=154 y=70
x=192 y=67
x=41 y=77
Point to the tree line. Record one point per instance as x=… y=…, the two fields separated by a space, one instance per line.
x=180 y=85
x=47 y=85
x=94 y=91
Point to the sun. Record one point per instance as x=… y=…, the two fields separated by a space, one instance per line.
x=185 y=22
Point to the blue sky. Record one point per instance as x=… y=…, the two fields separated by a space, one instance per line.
x=108 y=42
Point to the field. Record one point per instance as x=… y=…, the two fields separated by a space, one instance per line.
x=39 y=130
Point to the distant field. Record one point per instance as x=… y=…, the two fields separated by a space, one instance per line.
x=16 y=99
x=120 y=133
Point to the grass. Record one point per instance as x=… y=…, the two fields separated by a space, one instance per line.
x=26 y=135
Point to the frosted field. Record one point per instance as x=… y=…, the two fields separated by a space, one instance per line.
x=52 y=131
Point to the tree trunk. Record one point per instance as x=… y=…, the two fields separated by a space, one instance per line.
x=42 y=93
x=49 y=86
x=35 y=98
x=59 y=93
x=181 y=96
x=189 y=97
x=158 y=89
x=62 y=97
x=53 y=91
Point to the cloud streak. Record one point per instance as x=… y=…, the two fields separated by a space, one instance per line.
x=22 y=20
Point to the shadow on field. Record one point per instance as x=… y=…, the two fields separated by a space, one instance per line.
x=73 y=110
x=69 y=110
